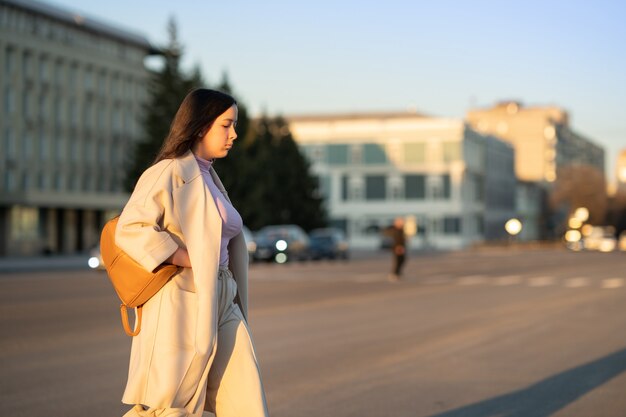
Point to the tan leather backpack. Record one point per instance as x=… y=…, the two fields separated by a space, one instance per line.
x=133 y=284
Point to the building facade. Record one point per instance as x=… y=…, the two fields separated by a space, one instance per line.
x=544 y=143
x=452 y=184
x=72 y=93
x=620 y=170
x=541 y=136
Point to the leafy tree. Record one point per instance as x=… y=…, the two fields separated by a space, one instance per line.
x=166 y=89
x=580 y=185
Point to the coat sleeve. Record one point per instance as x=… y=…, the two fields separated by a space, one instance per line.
x=139 y=230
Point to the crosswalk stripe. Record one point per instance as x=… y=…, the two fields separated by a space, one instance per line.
x=508 y=280
x=472 y=280
x=577 y=282
x=436 y=280
x=541 y=281
x=368 y=277
x=612 y=283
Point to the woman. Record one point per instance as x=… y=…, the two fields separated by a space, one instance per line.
x=194 y=350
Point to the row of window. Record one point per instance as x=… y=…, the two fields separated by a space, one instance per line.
x=61 y=149
x=71 y=75
x=377 y=154
x=53 y=31
x=426 y=226
x=90 y=115
x=59 y=181
x=380 y=187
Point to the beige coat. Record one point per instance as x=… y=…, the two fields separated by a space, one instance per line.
x=172 y=207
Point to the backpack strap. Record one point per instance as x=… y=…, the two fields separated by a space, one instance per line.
x=126 y=324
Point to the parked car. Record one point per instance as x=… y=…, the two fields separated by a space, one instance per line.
x=282 y=243
x=329 y=243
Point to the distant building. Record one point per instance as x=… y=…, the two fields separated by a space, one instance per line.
x=541 y=136
x=455 y=185
x=544 y=143
x=620 y=169
x=72 y=92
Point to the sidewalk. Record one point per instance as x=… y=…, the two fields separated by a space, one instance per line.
x=79 y=261
x=44 y=263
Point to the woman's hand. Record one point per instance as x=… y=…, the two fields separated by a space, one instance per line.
x=180 y=258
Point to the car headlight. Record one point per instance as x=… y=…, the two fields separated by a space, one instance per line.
x=281 y=245
x=93 y=262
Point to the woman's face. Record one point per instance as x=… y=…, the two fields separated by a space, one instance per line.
x=218 y=140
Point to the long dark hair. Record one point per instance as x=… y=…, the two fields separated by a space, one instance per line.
x=194 y=118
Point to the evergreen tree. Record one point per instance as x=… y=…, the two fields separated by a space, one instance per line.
x=281 y=189
x=166 y=89
x=266 y=176
x=233 y=169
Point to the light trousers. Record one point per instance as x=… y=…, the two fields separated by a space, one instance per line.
x=234 y=387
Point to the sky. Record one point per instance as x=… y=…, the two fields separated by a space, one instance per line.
x=438 y=57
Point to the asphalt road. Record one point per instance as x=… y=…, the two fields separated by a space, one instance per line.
x=518 y=333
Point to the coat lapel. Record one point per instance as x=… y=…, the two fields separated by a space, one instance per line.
x=201 y=226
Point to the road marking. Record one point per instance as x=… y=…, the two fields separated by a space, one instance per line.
x=372 y=277
x=508 y=280
x=541 y=281
x=472 y=280
x=577 y=282
x=612 y=283
x=436 y=280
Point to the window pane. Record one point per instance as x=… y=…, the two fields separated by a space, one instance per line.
x=414 y=186
x=9 y=100
x=446 y=186
x=374 y=153
x=337 y=154
x=344 y=187
x=451 y=151
x=451 y=225
x=324 y=186
x=375 y=187
x=9 y=61
x=414 y=153
x=9 y=143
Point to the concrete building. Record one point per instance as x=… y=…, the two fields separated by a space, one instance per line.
x=72 y=90
x=541 y=136
x=544 y=143
x=620 y=171
x=454 y=185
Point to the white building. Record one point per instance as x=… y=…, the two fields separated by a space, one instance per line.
x=456 y=184
x=71 y=90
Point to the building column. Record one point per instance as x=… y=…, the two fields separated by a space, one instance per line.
x=4 y=230
x=90 y=232
x=69 y=230
x=59 y=230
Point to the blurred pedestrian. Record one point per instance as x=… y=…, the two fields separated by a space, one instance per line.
x=194 y=350
x=398 y=248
